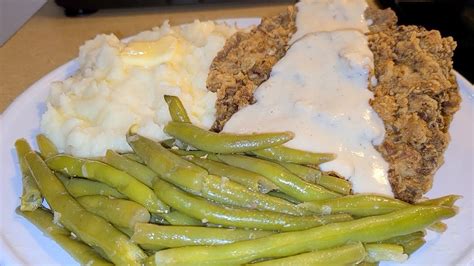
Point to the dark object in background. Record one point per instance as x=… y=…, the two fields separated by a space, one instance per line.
x=74 y=8
x=451 y=17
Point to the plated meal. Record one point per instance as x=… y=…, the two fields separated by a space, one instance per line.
x=308 y=139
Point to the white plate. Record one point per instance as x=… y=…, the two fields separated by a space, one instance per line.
x=21 y=243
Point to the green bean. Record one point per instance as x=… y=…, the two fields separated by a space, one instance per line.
x=365 y=263
x=90 y=228
x=413 y=245
x=335 y=184
x=362 y=205
x=178 y=218
x=250 y=180
x=439 y=227
x=282 y=195
x=107 y=174
x=359 y=205
x=177 y=111
x=244 y=218
x=31 y=197
x=152 y=248
x=46 y=146
x=79 y=187
x=410 y=242
x=135 y=169
x=168 y=165
x=315 y=176
x=82 y=253
x=133 y=157
x=126 y=230
x=385 y=252
x=159 y=219
x=224 y=142
x=368 y=229
x=289 y=155
x=308 y=174
x=179 y=236
x=286 y=181
x=200 y=154
x=343 y=255
x=401 y=240
x=222 y=190
x=447 y=201
x=129 y=233
x=120 y=212
x=176 y=144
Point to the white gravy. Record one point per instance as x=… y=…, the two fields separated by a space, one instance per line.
x=329 y=15
x=319 y=91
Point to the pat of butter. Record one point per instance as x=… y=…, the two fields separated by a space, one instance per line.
x=150 y=53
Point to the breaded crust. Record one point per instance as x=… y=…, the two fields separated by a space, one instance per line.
x=416 y=97
x=246 y=61
x=416 y=94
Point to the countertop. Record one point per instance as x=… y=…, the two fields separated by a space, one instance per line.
x=50 y=39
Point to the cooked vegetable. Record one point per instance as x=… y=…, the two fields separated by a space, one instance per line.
x=133 y=157
x=177 y=111
x=195 y=153
x=250 y=180
x=90 y=228
x=107 y=174
x=410 y=242
x=177 y=218
x=287 y=182
x=222 y=190
x=177 y=145
x=179 y=236
x=369 y=229
x=168 y=165
x=120 y=212
x=133 y=168
x=282 y=195
x=82 y=253
x=448 y=201
x=31 y=197
x=343 y=255
x=385 y=252
x=200 y=196
x=79 y=187
x=359 y=205
x=46 y=146
x=224 y=142
x=244 y=218
x=289 y=155
x=315 y=176
x=402 y=239
x=438 y=227
x=413 y=245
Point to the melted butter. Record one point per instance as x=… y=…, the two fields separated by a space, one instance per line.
x=149 y=53
x=319 y=91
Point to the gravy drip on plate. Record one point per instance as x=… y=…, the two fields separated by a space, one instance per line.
x=319 y=91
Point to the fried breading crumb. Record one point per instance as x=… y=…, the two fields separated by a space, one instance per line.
x=416 y=96
x=246 y=61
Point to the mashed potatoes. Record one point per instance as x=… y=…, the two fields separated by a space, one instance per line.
x=120 y=84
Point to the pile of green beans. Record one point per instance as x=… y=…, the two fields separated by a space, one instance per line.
x=239 y=199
